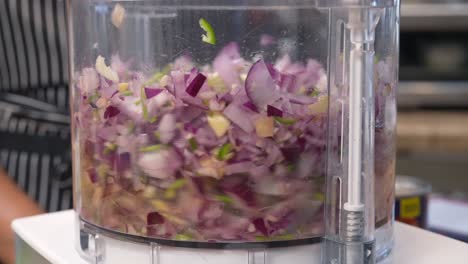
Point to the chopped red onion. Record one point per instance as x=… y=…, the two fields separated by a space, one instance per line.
x=153 y=142
x=160 y=164
x=239 y=117
x=89 y=81
x=154 y=218
x=226 y=66
x=242 y=191
x=260 y=87
x=251 y=106
x=93 y=177
x=240 y=167
x=259 y=224
x=150 y=92
x=288 y=83
x=111 y=111
x=194 y=87
x=273 y=111
x=166 y=128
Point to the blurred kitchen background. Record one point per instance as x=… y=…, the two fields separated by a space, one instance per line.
x=433 y=94
x=433 y=107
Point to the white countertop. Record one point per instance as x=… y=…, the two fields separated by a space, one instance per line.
x=53 y=236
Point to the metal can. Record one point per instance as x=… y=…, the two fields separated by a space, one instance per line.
x=411 y=197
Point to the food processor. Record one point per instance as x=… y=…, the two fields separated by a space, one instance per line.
x=233 y=131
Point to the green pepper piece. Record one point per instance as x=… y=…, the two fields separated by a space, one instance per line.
x=171 y=191
x=151 y=148
x=158 y=76
x=109 y=147
x=224 y=198
x=314 y=93
x=284 y=120
x=193 y=144
x=183 y=237
x=210 y=36
x=127 y=93
x=224 y=151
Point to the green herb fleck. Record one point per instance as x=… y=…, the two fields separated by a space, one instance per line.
x=284 y=237
x=224 y=198
x=102 y=170
x=314 y=93
x=151 y=148
x=153 y=119
x=183 y=237
x=127 y=93
x=284 y=120
x=170 y=194
x=319 y=197
x=158 y=76
x=131 y=127
x=143 y=179
x=109 y=147
x=171 y=191
x=143 y=104
x=177 y=184
x=156 y=134
x=224 y=152
x=210 y=36
x=93 y=98
x=291 y=167
x=193 y=144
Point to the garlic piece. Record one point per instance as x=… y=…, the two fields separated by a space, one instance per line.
x=118 y=15
x=105 y=70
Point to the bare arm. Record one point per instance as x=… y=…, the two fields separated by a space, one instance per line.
x=13 y=204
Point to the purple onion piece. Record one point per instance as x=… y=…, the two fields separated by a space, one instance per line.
x=260 y=86
x=287 y=83
x=251 y=106
x=240 y=167
x=225 y=64
x=291 y=153
x=273 y=111
x=273 y=72
x=244 y=192
x=282 y=223
x=150 y=92
x=194 y=87
x=92 y=175
x=111 y=111
x=154 y=218
x=259 y=224
x=239 y=117
x=198 y=183
x=122 y=162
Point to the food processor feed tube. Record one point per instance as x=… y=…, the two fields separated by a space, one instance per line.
x=349 y=234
